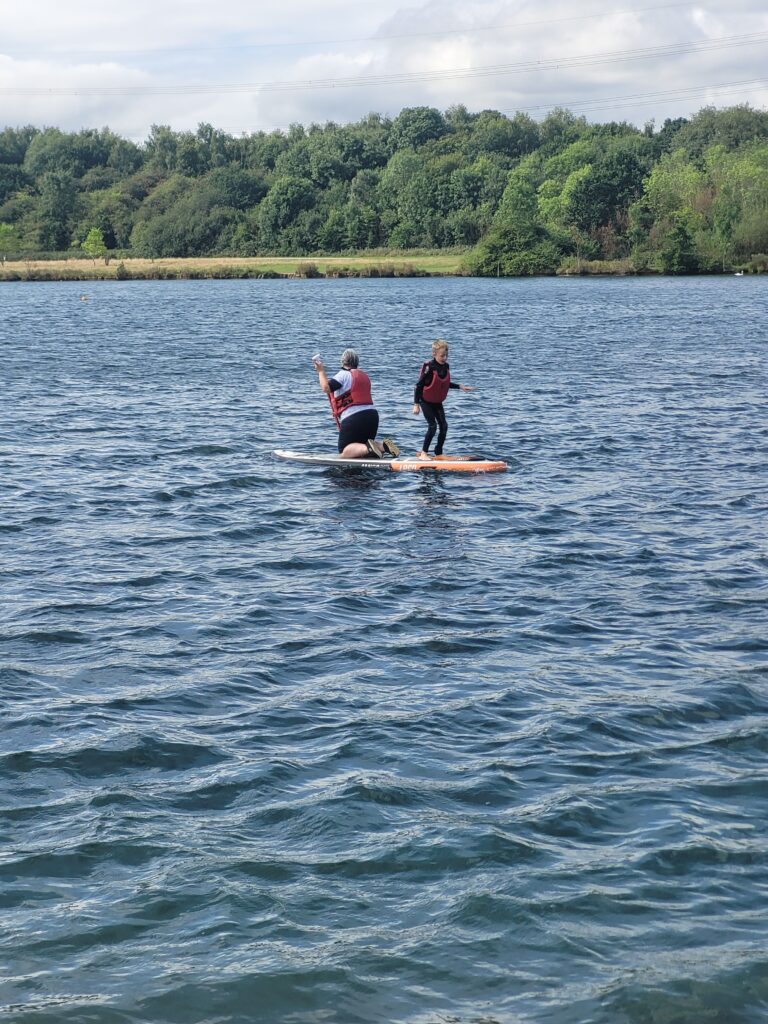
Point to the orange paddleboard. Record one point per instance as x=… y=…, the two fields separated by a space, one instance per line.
x=457 y=464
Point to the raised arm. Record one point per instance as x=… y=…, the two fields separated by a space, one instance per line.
x=322 y=377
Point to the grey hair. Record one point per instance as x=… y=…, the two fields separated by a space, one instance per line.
x=350 y=360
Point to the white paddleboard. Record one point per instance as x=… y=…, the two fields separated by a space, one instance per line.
x=460 y=464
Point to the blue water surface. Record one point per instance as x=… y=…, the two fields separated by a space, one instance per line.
x=312 y=746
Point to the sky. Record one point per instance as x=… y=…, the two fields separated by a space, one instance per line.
x=245 y=66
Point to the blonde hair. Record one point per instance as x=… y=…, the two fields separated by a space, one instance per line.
x=441 y=345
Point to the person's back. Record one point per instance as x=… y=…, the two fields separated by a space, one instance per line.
x=349 y=393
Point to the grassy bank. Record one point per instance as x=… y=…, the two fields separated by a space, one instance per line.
x=405 y=265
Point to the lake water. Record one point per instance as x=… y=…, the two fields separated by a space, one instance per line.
x=308 y=746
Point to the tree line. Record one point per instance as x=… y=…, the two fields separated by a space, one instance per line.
x=521 y=196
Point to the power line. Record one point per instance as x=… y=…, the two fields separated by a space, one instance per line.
x=341 y=42
x=609 y=101
x=404 y=78
x=597 y=103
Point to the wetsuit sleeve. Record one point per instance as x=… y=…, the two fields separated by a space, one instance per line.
x=421 y=383
x=454 y=387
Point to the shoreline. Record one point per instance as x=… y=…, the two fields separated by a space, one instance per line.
x=285 y=268
x=232 y=268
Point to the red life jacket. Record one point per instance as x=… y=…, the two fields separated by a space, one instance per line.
x=437 y=389
x=358 y=394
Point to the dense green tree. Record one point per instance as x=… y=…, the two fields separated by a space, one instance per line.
x=14 y=143
x=678 y=251
x=459 y=120
x=559 y=129
x=234 y=187
x=401 y=169
x=466 y=226
x=54 y=150
x=327 y=159
x=56 y=210
x=414 y=126
x=465 y=187
x=9 y=239
x=731 y=128
x=93 y=245
x=190 y=227
x=12 y=178
x=161 y=148
x=287 y=197
x=363 y=187
x=370 y=140
x=124 y=156
x=604 y=194
x=21 y=211
x=690 y=197
x=493 y=132
x=673 y=184
x=113 y=211
x=216 y=148
x=666 y=139
x=260 y=151
x=362 y=227
x=556 y=197
x=518 y=241
x=295 y=162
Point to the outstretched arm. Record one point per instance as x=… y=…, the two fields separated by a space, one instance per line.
x=322 y=377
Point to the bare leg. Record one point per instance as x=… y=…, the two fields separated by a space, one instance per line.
x=357 y=450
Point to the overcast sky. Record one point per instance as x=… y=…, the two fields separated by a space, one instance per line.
x=244 y=66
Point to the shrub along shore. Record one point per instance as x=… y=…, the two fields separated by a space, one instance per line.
x=272 y=267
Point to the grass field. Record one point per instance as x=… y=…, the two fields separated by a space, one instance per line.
x=401 y=265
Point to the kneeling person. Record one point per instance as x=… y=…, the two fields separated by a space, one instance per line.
x=349 y=392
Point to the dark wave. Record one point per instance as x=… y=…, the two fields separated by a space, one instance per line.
x=326 y=747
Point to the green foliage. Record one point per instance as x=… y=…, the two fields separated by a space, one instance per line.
x=416 y=125
x=692 y=197
x=673 y=184
x=730 y=128
x=495 y=133
x=559 y=129
x=93 y=246
x=12 y=179
x=280 y=209
x=14 y=143
x=678 y=252
x=9 y=239
x=55 y=210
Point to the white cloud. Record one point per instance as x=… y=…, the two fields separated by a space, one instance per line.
x=188 y=52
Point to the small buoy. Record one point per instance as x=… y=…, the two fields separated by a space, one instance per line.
x=83 y=298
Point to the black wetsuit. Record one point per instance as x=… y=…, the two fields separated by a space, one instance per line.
x=434 y=413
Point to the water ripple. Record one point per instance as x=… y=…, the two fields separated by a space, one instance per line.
x=331 y=748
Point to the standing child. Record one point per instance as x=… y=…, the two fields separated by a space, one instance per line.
x=432 y=389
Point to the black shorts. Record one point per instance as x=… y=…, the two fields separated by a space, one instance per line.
x=358 y=426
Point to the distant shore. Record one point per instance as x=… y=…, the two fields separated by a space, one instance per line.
x=234 y=267
x=417 y=264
